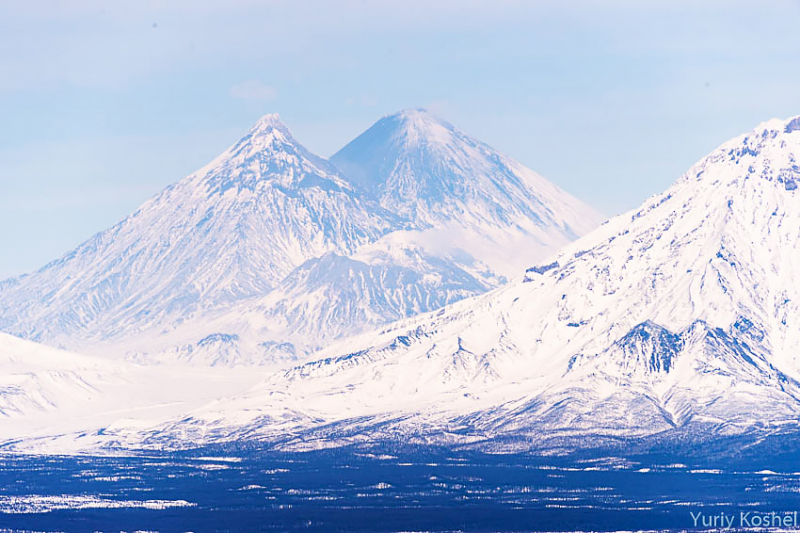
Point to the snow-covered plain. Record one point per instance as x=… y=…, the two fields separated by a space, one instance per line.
x=678 y=318
x=55 y=396
x=270 y=252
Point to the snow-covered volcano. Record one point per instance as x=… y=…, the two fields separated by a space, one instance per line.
x=430 y=172
x=231 y=230
x=269 y=252
x=465 y=193
x=680 y=316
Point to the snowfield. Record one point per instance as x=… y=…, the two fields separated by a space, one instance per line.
x=51 y=399
x=679 y=318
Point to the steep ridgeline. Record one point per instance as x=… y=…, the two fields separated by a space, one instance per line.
x=230 y=231
x=462 y=194
x=680 y=318
x=267 y=253
x=471 y=219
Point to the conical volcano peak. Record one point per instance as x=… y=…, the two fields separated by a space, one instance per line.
x=268 y=137
x=415 y=126
x=268 y=130
x=269 y=154
x=430 y=172
x=271 y=121
x=416 y=116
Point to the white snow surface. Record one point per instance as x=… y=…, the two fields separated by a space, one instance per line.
x=270 y=252
x=48 y=397
x=36 y=503
x=680 y=315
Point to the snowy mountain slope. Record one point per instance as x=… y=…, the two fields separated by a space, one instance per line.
x=463 y=192
x=492 y=217
x=428 y=170
x=680 y=316
x=269 y=252
x=48 y=393
x=394 y=289
x=328 y=298
x=232 y=230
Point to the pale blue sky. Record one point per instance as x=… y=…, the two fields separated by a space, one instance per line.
x=102 y=104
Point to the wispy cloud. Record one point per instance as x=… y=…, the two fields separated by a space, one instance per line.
x=254 y=90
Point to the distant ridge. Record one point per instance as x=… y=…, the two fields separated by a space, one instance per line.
x=270 y=252
x=677 y=322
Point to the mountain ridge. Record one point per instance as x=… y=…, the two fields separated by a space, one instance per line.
x=675 y=319
x=393 y=159
x=224 y=243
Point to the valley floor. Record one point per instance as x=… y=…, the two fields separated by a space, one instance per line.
x=412 y=490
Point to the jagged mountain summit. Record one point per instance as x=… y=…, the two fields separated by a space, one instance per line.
x=231 y=230
x=678 y=319
x=269 y=252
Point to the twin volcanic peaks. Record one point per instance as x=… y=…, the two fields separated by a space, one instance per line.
x=402 y=122
x=269 y=149
x=675 y=322
x=269 y=251
x=409 y=126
